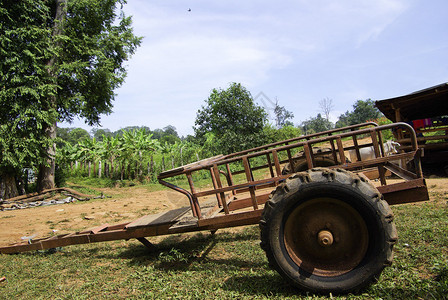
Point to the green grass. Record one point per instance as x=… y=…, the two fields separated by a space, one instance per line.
x=228 y=265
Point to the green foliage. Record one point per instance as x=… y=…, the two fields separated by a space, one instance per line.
x=166 y=135
x=317 y=124
x=233 y=118
x=100 y=133
x=284 y=133
x=130 y=128
x=72 y=135
x=25 y=49
x=60 y=174
x=137 y=155
x=387 y=134
x=363 y=110
x=282 y=116
x=95 y=43
x=60 y=59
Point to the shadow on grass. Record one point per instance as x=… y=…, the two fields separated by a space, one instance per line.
x=266 y=285
x=176 y=253
x=199 y=243
x=274 y=284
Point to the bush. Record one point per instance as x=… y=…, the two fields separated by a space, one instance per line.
x=60 y=175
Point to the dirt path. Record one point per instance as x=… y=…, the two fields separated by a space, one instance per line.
x=125 y=204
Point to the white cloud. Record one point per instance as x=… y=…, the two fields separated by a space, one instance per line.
x=301 y=51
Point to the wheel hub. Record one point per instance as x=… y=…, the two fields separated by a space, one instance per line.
x=326 y=237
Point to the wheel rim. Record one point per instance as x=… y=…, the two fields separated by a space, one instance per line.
x=326 y=237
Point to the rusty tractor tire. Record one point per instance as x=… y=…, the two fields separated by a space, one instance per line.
x=300 y=164
x=328 y=231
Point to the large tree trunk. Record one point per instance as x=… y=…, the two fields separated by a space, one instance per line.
x=46 y=171
x=8 y=186
x=45 y=179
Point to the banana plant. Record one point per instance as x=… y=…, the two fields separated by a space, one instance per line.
x=110 y=150
x=136 y=145
x=93 y=149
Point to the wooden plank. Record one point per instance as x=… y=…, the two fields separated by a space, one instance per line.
x=402 y=173
x=415 y=194
x=144 y=220
x=96 y=229
x=247 y=202
x=341 y=150
x=222 y=194
x=215 y=184
x=65 y=241
x=276 y=163
x=372 y=173
x=118 y=226
x=249 y=177
x=308 y=155
x=192 y=166
x=405 y=192
x=356 y=147
x=208 y=209
x=158 y=219
x=333 y=150
x=401 y=186
x=237 y=219
x=375 y=161
x=20 y=248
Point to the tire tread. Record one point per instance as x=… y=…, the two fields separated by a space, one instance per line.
x=323 y=175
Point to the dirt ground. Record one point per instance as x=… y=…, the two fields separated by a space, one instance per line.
x=121 y=205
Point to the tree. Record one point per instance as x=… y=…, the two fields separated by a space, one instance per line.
x=100 y=133
x=167 y=134
x=72 y=135
x=121 y=131
x=275 y=135
x=363 y=110
x=22 y=121
x=135 y=144
x=60 y=59
x=282 y=116
x=170 y=130
x=111 y=149
x=233 y=118
x=317 y=124
x=326 y=105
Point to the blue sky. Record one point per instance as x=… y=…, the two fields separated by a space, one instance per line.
x=296 y=52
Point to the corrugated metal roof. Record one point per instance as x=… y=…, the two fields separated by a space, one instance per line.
x=427 y=103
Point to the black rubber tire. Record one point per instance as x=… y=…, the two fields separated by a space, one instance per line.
x=300 y=164
x=347 y=189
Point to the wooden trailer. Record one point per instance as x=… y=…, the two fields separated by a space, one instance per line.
x=326 y=229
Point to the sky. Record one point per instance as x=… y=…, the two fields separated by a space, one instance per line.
x=295 y=53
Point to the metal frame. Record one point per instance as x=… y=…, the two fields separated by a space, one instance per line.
x=241 y=183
